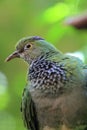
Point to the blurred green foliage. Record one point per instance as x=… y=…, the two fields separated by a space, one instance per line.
x=22 y=18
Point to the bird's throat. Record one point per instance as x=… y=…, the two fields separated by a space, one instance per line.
x=47 y=76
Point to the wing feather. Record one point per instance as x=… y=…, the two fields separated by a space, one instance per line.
x=29 y=111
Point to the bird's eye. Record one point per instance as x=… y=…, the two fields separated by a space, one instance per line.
x=27 y=46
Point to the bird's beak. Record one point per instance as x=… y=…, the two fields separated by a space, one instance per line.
x=12 y=56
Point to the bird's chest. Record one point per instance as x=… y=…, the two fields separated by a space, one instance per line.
x=47 y=76
x=60 y=111
x=48 y=112
x=54 y=105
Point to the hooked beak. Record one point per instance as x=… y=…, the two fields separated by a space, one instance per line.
x=12 y=56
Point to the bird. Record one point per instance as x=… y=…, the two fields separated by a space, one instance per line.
x=55 y=96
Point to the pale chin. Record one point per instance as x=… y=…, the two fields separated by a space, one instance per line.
x=25 y=57
x=22 y=55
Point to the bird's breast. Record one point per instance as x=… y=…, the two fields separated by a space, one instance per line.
x=58 y=94
x=47 y=76
x=66 y=110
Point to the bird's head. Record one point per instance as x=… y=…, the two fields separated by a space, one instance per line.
x=29 y=48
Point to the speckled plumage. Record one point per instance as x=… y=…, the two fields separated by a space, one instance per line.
x=55 y=97
x=47 y=76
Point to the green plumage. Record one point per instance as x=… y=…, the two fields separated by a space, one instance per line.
x=55 y=97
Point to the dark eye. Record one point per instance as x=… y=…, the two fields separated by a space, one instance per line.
x=27 y=46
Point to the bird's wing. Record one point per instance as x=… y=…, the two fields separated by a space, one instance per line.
x=28 y=111
x=85 y=74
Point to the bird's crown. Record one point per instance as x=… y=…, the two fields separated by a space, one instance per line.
x=22 y=42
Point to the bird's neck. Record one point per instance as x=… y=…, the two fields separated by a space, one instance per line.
x=48 y=55
x=44 y=73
